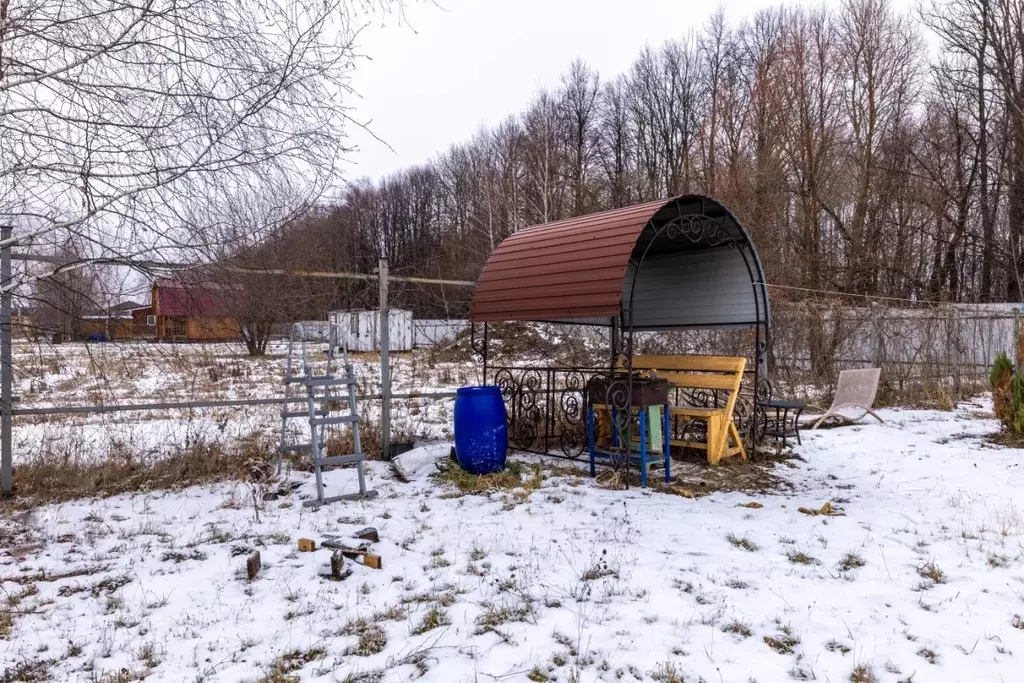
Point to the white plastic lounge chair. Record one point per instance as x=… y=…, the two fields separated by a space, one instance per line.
x=855 y=395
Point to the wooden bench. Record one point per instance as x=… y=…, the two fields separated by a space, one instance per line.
x=713 y=373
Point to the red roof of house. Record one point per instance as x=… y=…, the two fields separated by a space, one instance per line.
x=174 y=297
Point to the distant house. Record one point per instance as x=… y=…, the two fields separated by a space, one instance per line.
x=143 y=322
x=189 y=311
x=110 y=324
x=104 y=327
x=126 y=307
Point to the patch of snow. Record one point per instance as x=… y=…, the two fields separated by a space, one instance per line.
x=420 y=462
x=920 y=576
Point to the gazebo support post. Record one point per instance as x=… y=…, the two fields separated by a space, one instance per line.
x=614 y=345
x=478 y=345
x=485 y=353
x=757 y=383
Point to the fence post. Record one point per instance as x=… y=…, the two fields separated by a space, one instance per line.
x=385 y=363
x=6 y=379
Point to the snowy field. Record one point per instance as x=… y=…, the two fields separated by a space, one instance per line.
x=139 y=373
x=917 y=575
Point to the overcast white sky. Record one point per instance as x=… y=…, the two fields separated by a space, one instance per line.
x=458 y=65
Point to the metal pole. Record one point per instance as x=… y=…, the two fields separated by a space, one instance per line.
x=6 y=473
x=385 y=364
x=485 y=353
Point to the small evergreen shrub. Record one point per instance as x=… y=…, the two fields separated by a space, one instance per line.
x=1000 y=366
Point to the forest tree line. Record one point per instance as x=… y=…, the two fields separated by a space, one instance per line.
x=863 y=159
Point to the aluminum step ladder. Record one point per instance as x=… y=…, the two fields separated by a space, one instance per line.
x=322 y=411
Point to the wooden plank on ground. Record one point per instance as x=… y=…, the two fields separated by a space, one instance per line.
x=367 y=534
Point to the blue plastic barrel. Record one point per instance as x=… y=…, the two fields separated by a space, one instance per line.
x=481 y=429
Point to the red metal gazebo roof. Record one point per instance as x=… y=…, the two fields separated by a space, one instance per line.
x=683 y=262
x=568 y=269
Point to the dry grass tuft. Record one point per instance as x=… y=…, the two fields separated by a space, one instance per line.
x=666 y=672
x=836 y=646
x=517 y=475
x=783 y=642
x=738 y=627
x=372 y=640
x=851 y=561
x=283 y=667
x=800 y=557
x=495 y=616
x=599 y=570
x=6 y=624
x=36 y=671
x=434 y=618
x=744 y=543
x=862 y=674
x=50 y=477
x=341 y=442
x=931 y=571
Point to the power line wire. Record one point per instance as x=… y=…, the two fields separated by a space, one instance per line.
x=142 y=264
x=875 y=297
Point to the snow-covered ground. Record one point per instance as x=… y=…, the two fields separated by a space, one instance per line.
x=918 y=577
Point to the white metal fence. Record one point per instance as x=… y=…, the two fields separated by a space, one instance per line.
x=953 y=340
x=428 y=333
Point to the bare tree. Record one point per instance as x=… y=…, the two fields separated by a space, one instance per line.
x=1004 y=27
x=118 y=115
x=857 y=169
x=261 y=231
x=615 y=146
x=714 y=46
x=61 y=302
x=812 y=141
x=878 y=50
x=545 y=151
x=579 y=102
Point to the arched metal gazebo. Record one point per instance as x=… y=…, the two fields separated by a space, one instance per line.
x=682 y=263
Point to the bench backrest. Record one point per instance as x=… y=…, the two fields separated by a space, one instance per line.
x=691 y=363
x=696 y=372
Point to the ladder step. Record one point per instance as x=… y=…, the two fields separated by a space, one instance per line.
x=301 y=413
x=321 y=381
x=331 y=381
x=339 y=460
x=290 y=448
x=339 y=420
x=351 y=496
